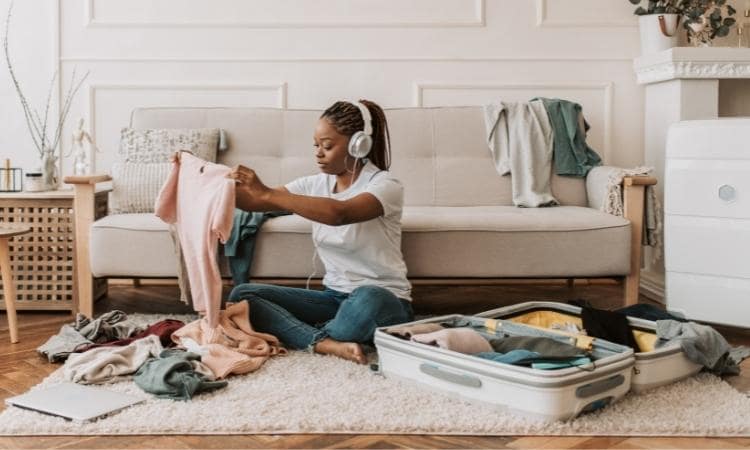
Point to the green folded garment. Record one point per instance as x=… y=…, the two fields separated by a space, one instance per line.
x=173 y=375
x=572 y=155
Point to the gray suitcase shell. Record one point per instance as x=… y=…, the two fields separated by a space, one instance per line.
x=658 y=367
x=542 y=394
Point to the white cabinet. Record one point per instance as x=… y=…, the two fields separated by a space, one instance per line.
x=707 y=220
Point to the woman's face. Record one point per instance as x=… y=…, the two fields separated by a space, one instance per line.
x=331 y=148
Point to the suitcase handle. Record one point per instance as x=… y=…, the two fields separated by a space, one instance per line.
x=597 y=387
x=451 y=377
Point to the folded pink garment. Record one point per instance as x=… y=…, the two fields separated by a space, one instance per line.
x=462 y=340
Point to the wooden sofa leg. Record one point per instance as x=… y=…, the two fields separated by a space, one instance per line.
x=83 y=206
x=571 y=284
x=84 y=210
x=633 y=199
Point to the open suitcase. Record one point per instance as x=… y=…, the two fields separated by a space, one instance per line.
x=653 y=367
x=560 y=394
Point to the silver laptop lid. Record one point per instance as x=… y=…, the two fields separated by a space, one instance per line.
x=73 y=401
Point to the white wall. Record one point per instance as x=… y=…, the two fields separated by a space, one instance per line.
x=308 y=53
x=33 y=52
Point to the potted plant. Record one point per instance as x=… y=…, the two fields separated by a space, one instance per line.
x=658 y=22
x=707 y=19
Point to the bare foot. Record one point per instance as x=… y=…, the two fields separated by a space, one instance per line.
x=347 y=350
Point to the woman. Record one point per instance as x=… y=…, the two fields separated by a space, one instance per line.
x=355 y=205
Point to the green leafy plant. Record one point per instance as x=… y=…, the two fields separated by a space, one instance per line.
x=657 y=7
x=711 y=17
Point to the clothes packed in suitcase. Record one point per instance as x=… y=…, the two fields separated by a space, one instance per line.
x=528 y=370
x=654 y=365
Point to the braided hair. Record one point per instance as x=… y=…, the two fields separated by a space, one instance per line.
x=346 y=119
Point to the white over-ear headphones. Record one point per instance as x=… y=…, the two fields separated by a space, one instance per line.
x=361 y=141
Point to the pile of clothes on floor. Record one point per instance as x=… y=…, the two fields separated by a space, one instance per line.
x=169 y=358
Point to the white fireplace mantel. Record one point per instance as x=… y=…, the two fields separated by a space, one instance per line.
x=693 y=63
x=683 y=83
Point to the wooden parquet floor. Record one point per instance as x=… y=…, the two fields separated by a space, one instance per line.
x=21 y=367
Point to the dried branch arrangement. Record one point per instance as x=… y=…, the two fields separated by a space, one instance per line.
x=45 y=130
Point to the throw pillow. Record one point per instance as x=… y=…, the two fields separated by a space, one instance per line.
x=143 y=163
x=135 y=186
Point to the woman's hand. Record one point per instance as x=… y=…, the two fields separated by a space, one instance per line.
x=250 y=192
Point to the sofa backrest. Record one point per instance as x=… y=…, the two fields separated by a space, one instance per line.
x=439 y=154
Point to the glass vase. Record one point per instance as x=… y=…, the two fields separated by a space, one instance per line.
x=50 y=178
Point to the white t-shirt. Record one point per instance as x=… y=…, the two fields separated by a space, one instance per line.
x=364 y=253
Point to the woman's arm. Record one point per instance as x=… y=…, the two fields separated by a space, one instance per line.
x=253 y=195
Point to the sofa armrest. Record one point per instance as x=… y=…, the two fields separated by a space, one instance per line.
x=633 y=191
x=87 y=179
x=638 y=180
x=84 y=214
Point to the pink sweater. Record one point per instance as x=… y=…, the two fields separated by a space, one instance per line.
x=199 y=199
x=232 y=347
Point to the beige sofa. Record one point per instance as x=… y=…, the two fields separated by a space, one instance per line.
x=458 y=222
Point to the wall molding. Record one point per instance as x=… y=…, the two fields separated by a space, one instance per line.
x=93 y=88
x=693 y=70
x=653 y=286
x=478 y=20
x=543 y=20
x=353 y=59
x=607 y=89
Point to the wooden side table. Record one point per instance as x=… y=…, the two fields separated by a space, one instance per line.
x=43 y=261
x=9 y=288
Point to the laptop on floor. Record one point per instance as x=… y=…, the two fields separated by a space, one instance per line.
x=74 y=401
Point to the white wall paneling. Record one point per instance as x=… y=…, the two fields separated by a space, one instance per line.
x=34 y=30
x=584 y=14
x=330 y=29
x=284 y=13
x=110 y=105
x=597 y=98
x=308 y=53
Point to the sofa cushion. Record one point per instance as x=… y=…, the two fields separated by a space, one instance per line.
x=433 y=150
x=505 y=241
x=479 y=241
x=143 y=163
x=283 y=249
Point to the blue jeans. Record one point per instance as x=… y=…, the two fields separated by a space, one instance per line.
x=300 y=318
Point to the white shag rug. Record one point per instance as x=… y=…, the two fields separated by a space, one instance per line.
x=306 y=393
